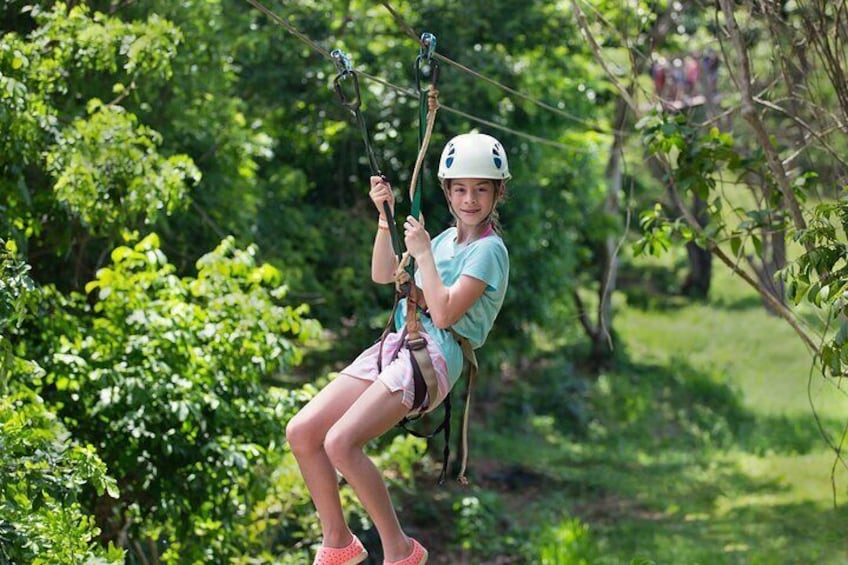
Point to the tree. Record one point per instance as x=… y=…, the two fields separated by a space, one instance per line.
x=784 y=146
x=75 y=168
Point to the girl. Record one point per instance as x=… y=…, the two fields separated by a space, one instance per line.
x=462 y=275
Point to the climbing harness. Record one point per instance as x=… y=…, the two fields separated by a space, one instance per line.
x=424 y=374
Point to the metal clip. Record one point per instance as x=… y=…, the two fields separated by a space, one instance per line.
x=341 y=61
x=425 y=55
x=345 y=69
x=428 y=41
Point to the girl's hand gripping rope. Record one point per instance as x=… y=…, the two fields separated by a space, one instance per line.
x=381 y=194
x=416 y=238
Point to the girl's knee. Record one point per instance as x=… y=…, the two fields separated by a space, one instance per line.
x=301 y=436
x=339 y=446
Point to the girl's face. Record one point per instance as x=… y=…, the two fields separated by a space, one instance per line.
x=472 y=200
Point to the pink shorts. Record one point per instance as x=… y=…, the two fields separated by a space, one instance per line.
x=397 y=373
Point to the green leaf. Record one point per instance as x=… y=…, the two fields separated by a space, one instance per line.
x=735 y=245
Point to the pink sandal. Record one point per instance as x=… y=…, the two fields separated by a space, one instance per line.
x=417 y=557
x=354 y=553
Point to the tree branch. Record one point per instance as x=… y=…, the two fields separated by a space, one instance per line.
x=749 y=112
x=776 y=304
x=596 y=49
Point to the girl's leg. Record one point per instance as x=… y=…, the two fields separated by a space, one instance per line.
x=375 y=412
x=306 y=434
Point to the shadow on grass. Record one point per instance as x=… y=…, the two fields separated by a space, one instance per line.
x=737 y=303
x=659 y=289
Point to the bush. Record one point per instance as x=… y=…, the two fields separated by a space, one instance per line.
x=566 y=543
x=43 y=474
x=168 y=378
x=42 y=471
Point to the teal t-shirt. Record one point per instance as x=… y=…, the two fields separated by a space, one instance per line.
x=485 y=259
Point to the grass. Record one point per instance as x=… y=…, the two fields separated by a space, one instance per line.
x=700 y=446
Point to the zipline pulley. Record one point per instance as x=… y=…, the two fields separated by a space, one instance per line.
x=425 y=64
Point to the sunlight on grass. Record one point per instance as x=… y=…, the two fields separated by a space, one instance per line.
x=732 y=332
x=797 y=479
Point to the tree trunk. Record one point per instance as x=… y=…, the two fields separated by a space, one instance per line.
x=697 y=282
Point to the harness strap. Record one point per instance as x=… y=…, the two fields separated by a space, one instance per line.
x=471 y=357
x=423 y=364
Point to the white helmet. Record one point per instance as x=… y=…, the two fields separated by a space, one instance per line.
x=474 y=156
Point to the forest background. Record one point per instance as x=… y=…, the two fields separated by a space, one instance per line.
x=185 y=235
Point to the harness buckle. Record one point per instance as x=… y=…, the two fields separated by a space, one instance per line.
x=416 y=343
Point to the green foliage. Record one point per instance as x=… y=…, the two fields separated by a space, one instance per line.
x=164 y=375
x=566 y=543
x=477 y=516
x=16 y=287
x=124 y=182
x=819 y=278
x=43 y=472
x=71 y=166
x=697 y=159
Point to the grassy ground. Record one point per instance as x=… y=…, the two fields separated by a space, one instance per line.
x=762 y=494
x=700 y=446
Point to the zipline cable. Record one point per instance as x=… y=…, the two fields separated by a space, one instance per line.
x=489 y=123
x=411 y=32
x=316 y=47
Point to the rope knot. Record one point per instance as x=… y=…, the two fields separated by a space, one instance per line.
x=432 y=99
x=401 y=277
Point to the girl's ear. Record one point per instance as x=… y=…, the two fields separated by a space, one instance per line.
x=500 y=190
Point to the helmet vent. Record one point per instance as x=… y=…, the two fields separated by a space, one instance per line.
x=496 y=156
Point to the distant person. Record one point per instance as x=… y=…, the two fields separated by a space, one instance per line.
x=691 y=72
x=659 y=74
x=677 y=80
x=710 y=64
x=463 y=273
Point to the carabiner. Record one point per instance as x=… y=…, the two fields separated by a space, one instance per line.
x=341 y=61
x=428 y=41
x=345 y=70
x=425 y=55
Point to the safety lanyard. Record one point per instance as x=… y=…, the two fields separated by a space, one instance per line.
x=345 y=72
x=425 y=63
